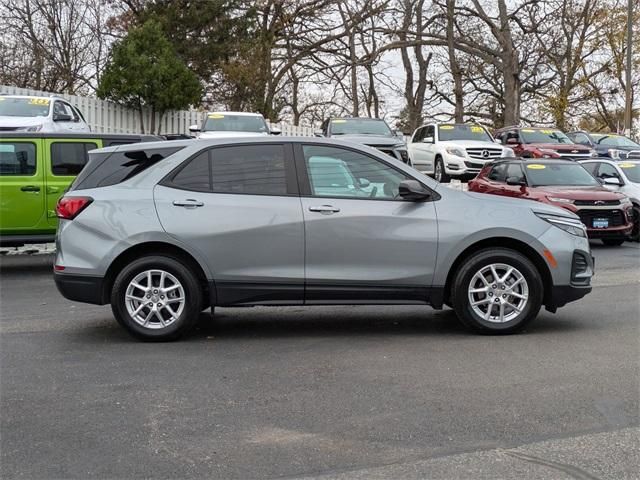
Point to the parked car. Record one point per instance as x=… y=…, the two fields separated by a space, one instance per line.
x=530 y=142
x=233 y=124
x=271 y=221
x=20 y=113
x=35 y=170
x=563 y=183
x=373 y=132
x=453 y=150
x=609 y=145
x=624 y=177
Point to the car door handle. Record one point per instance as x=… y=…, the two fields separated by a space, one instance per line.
x=30 y=188
x=325 y=209
x=188 y=203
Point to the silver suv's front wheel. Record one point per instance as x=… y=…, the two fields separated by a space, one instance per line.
x=497 y=291
x=156 y=298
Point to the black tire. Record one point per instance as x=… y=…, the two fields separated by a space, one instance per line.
x=461 y=284
x=193 y=298
x=613 y=242
x=443 y=176
x=635 y=233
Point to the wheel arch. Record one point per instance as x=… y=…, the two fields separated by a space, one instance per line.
x=503 y=242
x=155 y=248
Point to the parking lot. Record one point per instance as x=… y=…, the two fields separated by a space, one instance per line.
x=335 y=392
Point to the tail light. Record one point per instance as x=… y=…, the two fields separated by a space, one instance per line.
x=70 y=207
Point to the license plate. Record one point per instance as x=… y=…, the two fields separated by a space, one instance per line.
x=600 y=223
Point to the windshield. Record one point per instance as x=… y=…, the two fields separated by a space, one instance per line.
x=631 y=170
x=24 y=107
x=219 y=122
x=530 y=135
x=565 y=174
x=463 y=132
x=615 y=141
x=360 y=126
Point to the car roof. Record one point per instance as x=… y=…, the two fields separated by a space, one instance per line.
x=543 y=161
x=230 y=141
x=241 y=114
x=110 y=136
x=50 y=97
x=357 y=118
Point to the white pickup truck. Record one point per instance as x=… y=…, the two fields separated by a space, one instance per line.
x=446 y=150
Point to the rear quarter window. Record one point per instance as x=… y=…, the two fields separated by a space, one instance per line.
x=69 y=158
x=111 y=168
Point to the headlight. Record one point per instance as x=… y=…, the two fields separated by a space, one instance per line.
x=613 y=153
x=455 y=151
x=569 y=225
x=33 y=128
x=509 y=153
x=559 y=200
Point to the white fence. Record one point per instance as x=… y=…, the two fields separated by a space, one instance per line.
x=108 y=117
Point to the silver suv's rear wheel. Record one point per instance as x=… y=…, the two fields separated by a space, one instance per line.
x=156 y=298
x=497 y=291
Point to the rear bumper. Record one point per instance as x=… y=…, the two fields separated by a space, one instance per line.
x=81 y=288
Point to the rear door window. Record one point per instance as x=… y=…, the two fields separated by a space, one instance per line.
x=69 y=158
x=241 y=169
x=17 y=159
x=498 y=173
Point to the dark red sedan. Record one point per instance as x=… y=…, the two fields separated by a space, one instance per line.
x=607 y=215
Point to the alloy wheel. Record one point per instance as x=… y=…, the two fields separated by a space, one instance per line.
x=155 y=299
x=498 y=293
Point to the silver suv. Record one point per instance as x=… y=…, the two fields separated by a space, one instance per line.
x=165 y=230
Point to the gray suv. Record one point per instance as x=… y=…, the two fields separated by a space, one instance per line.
x=165 y=230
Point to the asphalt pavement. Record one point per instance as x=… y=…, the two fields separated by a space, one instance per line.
x=323 y=392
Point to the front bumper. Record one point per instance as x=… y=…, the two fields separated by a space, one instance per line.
x=563 y=294
x=81 y=288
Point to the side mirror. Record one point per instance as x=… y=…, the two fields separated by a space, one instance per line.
x=427 y=140
x=516 y=181
x=363 y=182
x=194 y=128
x=275 y=131
x=62 y=117
x=512 y=141
x=497 y=140
x=399 y=134
x=413 y=191
x=613 y=181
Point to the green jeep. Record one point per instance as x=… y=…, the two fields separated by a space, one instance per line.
x=35 y=170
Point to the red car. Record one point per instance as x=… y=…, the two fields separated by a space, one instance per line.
x=530 y=142
x=607 y=215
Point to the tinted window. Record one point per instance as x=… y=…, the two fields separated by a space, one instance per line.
x=591 y=167
x=430 y=132
x=360 y=126
x=69 y=158
x=17 y=158
x=569 y=174
x=249 y=169
x=196 y=175
x=608 y=171
x=419 y=135
x=498 y=173
x=110 y=168
x=338 y=172
x=24 y=107
x=463 y=132
x=514 y=170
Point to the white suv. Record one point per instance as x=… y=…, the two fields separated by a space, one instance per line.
x=232 y=124
x=453 y=150
x=23 y=113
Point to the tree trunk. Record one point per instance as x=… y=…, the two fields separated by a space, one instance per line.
x=456 y=71
x=141 y=110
